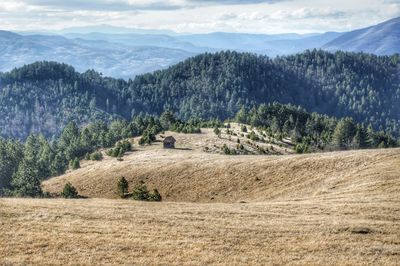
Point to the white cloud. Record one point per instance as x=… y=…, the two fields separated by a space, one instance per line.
x=259 y=16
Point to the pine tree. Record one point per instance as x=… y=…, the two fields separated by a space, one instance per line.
x=69 y=191
x=140 y=192
x=242 y=116
x=344 y=133
x=217 y=132
x=26 y=181
x=75 y=164
x=122 y=187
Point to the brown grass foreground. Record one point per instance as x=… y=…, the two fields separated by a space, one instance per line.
x=340 y=208
x=104 y=231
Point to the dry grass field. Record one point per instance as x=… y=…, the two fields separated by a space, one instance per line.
x=339 y=208
x=104 y=231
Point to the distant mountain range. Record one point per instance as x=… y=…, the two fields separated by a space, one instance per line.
x=126 y=52
x=382 y=39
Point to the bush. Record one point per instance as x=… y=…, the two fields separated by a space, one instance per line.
x=148 y=137
x=120 y=149
x=122 y=187
x=217 y=132
x=140 y=192
x=75 y=164
x=243 y=128
x=96 y=156
x=301 y=148
x=228 y=151
x=69 y=192
x=253 y=136
x=155 y=196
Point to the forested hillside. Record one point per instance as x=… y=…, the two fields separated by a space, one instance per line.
x=43 y=97
x=23 y=167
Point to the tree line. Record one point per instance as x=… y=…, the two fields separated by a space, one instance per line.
x=312 y=131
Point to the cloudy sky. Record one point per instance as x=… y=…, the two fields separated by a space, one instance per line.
x=253 y=16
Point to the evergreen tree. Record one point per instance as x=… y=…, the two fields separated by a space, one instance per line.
x=75 y=164
x=344 y=133
x=217 y=132
x=167 y=119
x=69 y=191
x=26 y=182
x=122 y=187
x=140 y=192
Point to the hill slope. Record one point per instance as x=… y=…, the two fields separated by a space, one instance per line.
x=190 y=174
x=382 y=39
x=332 y=208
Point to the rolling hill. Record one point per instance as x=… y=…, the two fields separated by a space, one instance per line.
x=287 y=209
x=196 y=172
x=382 y=39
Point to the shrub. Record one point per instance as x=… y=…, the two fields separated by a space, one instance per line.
x=253 y=136
x=69 y=192
x=96 y=156
x=243 y=128
x=228 y=151
x=217 y=132
x=122 y=187
x=155 y=196
x=120 y=149
x=148 y=137
x=301 y=148
x=140 y=192
x=75 y=164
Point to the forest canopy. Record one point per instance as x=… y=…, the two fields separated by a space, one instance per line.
x=45 y=96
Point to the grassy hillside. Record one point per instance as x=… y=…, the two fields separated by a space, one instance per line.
x=339 y=208
x=343 y=231
x=195 y=173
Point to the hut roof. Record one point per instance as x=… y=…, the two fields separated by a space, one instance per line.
x=169 y=139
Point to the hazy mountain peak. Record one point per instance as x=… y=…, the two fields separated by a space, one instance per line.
x=381 y=39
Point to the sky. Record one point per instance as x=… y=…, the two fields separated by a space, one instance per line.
x=199 y=16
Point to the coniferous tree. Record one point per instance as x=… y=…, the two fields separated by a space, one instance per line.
x=122 y=187
x=69 y=191
x=217 y=132
x=26 y=182
x=75 y=164
x=140 y=192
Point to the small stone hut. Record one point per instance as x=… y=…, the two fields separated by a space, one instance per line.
x=169 y=142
